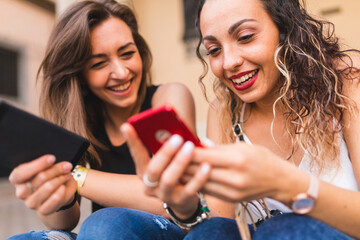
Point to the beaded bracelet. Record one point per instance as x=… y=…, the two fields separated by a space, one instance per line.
x=201 y=214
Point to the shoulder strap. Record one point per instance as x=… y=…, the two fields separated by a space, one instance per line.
x=237 y=130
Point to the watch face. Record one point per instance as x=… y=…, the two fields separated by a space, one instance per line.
x=303 y=205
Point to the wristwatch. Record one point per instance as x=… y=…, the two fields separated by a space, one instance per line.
x=303 y=203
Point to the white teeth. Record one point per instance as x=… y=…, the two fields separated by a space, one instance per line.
x=244 y=78
x=121 y=87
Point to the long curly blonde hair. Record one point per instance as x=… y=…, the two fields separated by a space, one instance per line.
x=308 y=57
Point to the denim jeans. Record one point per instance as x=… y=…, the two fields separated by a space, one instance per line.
x=129 y=224
x=120 y=223
x=281 y=227
x=44 y=235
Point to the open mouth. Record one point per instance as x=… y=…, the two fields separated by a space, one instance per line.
x=244 y=79
x=121 y=88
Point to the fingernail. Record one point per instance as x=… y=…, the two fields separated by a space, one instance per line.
x=51 y=159
x=205 y=169
x=67 y=166
x=175 y=141
x=207 y=142
x=187 y=148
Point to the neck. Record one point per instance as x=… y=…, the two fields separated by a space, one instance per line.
x=114 y=118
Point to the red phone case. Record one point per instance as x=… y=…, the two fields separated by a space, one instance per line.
x=156 y=125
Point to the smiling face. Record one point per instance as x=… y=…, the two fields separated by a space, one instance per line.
x=241 y=40
x=114 y=71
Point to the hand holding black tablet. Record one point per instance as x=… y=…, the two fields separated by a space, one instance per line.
x=25 y=137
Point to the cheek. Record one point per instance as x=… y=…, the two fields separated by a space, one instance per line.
x=95 y=79
x=136 y=65
x=216 y=67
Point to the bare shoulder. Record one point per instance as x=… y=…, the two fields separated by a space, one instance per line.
x=171 y=92
x=180 y=97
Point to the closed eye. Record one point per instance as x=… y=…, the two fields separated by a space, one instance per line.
x=213 y=51
x=97 y=65
x=246 y=37
x=127 y=54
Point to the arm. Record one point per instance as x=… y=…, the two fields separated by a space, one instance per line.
x=119 y=190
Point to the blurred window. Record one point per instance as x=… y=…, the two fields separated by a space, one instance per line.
x=9 y=72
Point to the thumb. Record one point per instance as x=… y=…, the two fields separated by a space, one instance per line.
x=138 y=151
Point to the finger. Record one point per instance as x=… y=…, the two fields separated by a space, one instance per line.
x=208 y=143
x=199 y=179
x=26 y=171
x=192 y=168
x=58 y=169
x=45 y=191
x=54 y=202
x=138 y=151
x=223 y=192
x=163 y=157
x=22 y=191
x=222 y=156
x=185 y=178
x=176 y=168
x=230 y=177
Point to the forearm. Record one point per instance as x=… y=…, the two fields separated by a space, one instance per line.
x=338 y=208
x=119 y=190
x=63 y=220
x=334 y=206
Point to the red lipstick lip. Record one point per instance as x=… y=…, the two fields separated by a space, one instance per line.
x=246 y=85
x=240 y=74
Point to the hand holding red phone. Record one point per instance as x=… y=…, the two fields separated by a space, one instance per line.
x=169 y=162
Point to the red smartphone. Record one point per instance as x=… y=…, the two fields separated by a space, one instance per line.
x=156 y=125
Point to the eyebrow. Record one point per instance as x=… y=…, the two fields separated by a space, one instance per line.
x=237 y=24
x=119 y=49
x=231 y=29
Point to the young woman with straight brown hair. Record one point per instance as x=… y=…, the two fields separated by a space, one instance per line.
x=94 y=76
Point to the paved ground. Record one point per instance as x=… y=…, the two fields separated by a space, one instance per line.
x=16 y=218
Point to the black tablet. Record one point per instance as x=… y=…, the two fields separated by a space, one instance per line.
x=25 y=137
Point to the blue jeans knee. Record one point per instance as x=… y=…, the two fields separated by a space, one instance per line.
x=292 y=226
x=122 y=223
x=44 y=235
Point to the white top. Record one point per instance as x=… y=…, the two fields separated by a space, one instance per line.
x=342 y=177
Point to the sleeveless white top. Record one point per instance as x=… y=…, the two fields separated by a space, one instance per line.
x=342 y=177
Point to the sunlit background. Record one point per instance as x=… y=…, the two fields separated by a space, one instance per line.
x=25 y=26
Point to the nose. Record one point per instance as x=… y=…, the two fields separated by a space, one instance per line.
x=232 y=59
x=119 y=70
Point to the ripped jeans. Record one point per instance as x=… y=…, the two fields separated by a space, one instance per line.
x=122 y=223
x=44 y=235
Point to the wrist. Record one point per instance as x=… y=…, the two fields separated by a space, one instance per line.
x=201 y=214
x=184 y=212
x=69 y=204
x=289 y=184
